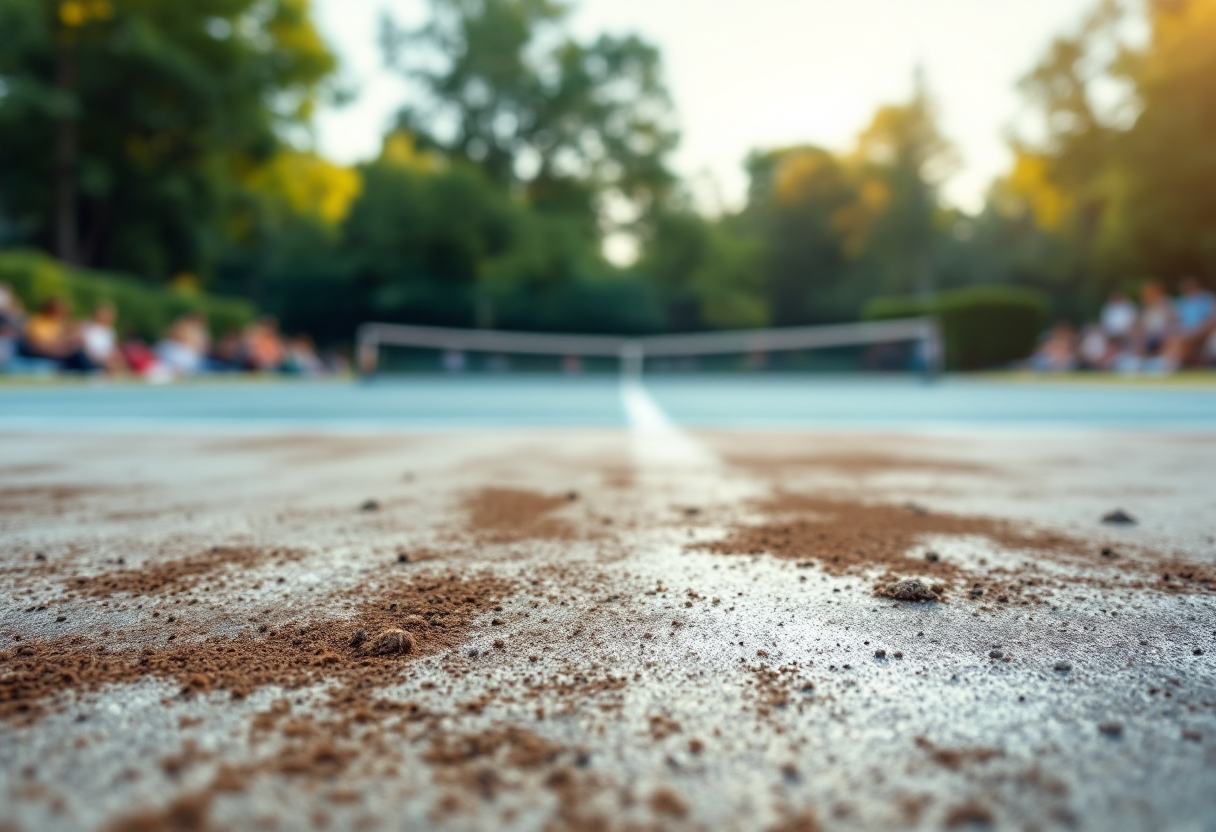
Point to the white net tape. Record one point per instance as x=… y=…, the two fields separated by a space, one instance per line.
x=632 y=352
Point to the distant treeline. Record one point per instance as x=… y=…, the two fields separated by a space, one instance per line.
x=171 y=136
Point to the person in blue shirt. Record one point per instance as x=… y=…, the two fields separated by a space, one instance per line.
x=1195 y=308
x=1195 y=324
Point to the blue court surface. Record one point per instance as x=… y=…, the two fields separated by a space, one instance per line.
x=721 y=401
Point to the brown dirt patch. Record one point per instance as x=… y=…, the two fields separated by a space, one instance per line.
x=848 y=536
x=180 y=574
x=511 y=515
x=779 y=688
x=804 y=821
x=482 y=765
x=436 y=612
x=42 y=499
x=188 y=813
x=852 y=464
x=516 y=747
x=956 y=759
x=971 y=813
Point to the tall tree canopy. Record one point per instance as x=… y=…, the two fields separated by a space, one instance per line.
x=129 y=124
x=1122 y=179
x=573 y=126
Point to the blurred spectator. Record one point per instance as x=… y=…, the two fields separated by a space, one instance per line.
x=183 y=349
x=49 y=335
x=10 y=323
x=100 y=341
x=1157 y=319
x=1196 y=307
x=1097 y=351
x=1058 y=353
x=302 y=357
x=263 y=347
x=138 y=357
x=1119 y=319
x=226 y=355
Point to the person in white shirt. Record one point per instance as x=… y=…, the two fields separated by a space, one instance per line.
x=183 y=350
x=1119 y=318
x=99 y=340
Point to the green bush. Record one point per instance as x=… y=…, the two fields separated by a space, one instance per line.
x=990 y=326
x=982 y=326
x=144 y=311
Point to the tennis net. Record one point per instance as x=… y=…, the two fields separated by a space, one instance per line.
x=903 y=344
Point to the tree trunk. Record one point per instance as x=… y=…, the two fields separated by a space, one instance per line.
x=65 y=158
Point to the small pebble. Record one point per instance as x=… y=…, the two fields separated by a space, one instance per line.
x=358 y=638
x=907 y=590
x=1198 y=651
x=370 y=505
x=392 y=642
x=932 y=557
x=1119 y=517
x=880 y=654
x=995 y=654
x=1111 y=729
x=1063 y=666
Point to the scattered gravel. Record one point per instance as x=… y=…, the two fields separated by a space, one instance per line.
x=909 y=590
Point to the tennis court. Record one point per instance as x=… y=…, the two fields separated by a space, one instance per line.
x=544 y=602
x=726 y=400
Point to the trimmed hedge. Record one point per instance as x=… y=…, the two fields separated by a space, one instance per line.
x=982 y=326
x=144 y=311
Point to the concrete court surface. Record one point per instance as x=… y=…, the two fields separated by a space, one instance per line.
x=632 y=627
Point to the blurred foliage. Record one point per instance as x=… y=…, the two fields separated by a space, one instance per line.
x=171 y=140
x=1112 y=191
x=989 y=326
x=569 y=124
x=982 y=326
x=148 y=117
x=143 y=311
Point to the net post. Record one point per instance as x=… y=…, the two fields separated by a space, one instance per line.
x=931 y=344
x=633 y=356
x=367 y=349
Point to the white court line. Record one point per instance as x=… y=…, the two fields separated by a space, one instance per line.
x=657 y=440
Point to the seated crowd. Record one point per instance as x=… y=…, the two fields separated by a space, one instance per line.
x=51 y=340
x=1161 y=335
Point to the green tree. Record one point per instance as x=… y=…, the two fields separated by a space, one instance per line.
x=903 y=156
x=707 y=273
x=798 y=203
x=147 y=117
x=1111 y=184
x=570 y=125
x=1162 y=207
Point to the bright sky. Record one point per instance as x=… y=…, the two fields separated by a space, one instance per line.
x=748 y=74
